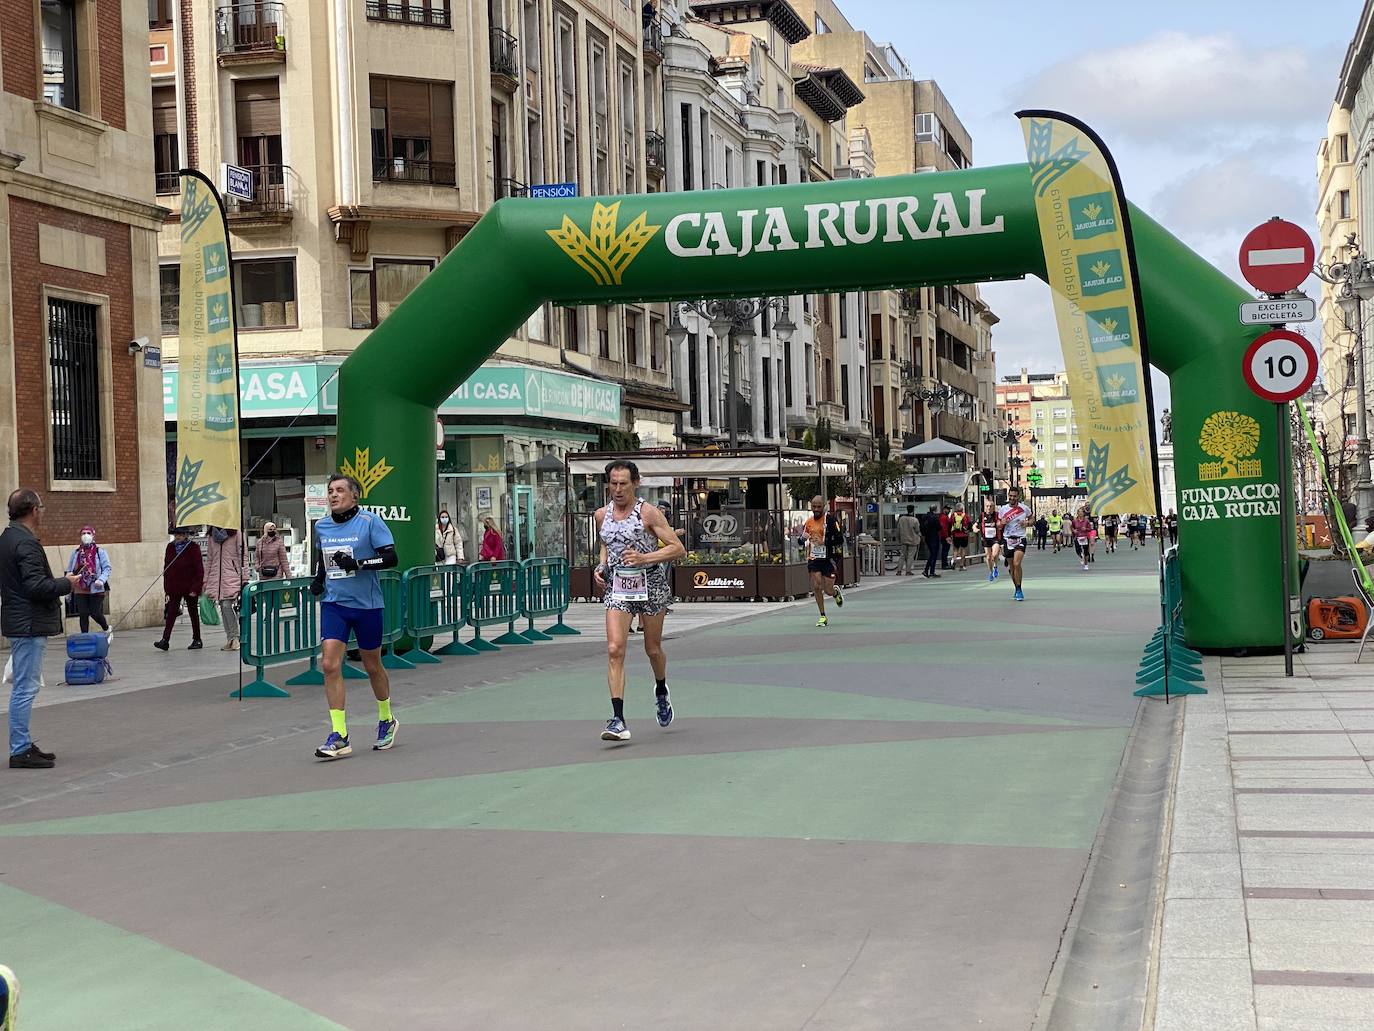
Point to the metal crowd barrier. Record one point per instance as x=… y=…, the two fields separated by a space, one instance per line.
x=393 y=617
x=278 y=622
x=494 y=599
x=437 y=603
x=545 y=592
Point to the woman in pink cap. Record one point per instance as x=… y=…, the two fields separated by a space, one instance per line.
x=92 y=565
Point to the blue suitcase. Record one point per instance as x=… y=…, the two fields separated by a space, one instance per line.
x=87 y=671
x=88 y=646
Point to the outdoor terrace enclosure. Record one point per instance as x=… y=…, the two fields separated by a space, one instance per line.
x=857 y=234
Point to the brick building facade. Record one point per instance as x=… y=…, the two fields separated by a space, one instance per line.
x=80 y=410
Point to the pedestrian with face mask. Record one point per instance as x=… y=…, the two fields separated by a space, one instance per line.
x=270 y=557
x=183 y=578
x=448 y=546
x=224 y=560
x=90 y=563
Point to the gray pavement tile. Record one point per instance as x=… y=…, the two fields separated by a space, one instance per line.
x=1295 y=747
x=1203 y=875
x=1299 y=1008
x=1211 y=994
x=1301 y=929
x=1357 y=915
x=1302 y=870
x=1319 y=846
x=1320 y=720
x=1204 y=928
x=1286 y=954
x=1305 y=812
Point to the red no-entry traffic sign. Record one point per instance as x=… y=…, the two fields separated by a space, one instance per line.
x=1280 y=365
x=1276 y=257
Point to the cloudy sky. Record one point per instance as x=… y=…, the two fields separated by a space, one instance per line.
x=1213 y=124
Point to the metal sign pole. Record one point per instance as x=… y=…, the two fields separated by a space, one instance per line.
x=1285 y=539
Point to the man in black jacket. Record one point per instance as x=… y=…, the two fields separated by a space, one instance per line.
x=30 y=613
x=930 y=530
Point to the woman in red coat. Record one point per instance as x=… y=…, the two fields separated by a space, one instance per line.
x=183 y=578
x=493 y=547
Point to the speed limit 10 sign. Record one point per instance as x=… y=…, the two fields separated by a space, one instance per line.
x=1280 y=365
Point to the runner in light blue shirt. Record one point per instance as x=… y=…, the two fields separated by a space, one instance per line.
x=351 y=547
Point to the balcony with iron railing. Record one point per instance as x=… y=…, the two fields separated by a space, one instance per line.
x=434 y=13
x=653 y=42
x=508 y=187
x=401 y=169
x=271 y=201
x=656 y=153
x=505 y=65
x=250 y=30
x=167 y=184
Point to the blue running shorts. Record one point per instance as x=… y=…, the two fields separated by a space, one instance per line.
x=336 y=621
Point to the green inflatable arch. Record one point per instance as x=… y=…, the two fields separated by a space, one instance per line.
x=901 y=231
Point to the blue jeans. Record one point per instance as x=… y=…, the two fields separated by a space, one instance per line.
x=27 y=653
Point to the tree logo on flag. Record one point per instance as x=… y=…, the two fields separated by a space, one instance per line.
x=1232 y=438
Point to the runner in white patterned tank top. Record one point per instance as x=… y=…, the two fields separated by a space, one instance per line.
x=636 y=545
x=1011 y=520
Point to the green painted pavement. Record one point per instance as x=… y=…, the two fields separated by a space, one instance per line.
x=995 y=650
x=874 y=620
x=1038 y=790
x=78 y=972
x=583 y=698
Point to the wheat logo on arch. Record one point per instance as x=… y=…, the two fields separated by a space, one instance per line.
x=604 y=254
x=1232 y=438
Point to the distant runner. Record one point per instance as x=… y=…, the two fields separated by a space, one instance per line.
x=1110 y=524
x=1056 y=522
x=822 y=538
x=1011 y=521
x=992 y=538
x=960 y=525
x=1082 y=536
x=636 y=546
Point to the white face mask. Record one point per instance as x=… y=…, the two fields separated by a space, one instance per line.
x=86 y=538
x=444 y=520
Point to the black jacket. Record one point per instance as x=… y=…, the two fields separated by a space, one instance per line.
x=29 y=593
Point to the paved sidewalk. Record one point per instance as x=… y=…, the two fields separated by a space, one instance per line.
x=1269 y=906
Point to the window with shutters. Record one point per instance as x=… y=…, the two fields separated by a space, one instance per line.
x=533 y=92
x=77 y=359
x=600 y=112
x=169 y=289
x=632 y=337
x=412 y=131
x=374 y=293
x=160 y=13
x=629 y=125
x=166 y=142
x=565 y=96
x=257 y=125
x=603 y=330
x=657 y=344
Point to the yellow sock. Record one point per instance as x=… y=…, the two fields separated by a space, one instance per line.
x=338 y=720
x=384 y=709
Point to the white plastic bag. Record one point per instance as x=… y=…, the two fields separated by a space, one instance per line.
x=9 y=674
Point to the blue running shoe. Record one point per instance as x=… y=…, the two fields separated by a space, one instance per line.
x=334 y=747
x=996 y=572
x=386 y=734
x=663 y=709
x=1018 y=596
x=615 y=730
x=9 y=999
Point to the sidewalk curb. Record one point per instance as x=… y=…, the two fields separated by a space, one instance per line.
x=1103 y=974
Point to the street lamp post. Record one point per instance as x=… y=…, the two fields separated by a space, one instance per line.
x=732 y=321
x=1354 y=280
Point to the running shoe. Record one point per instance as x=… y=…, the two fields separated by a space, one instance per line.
x=386 y=734
x=335 y=747
x=663 y=709
x=996 y=572
x=992 y=576
x=1018 y=596
x=615 y=730
x=822 y=622
x=9 y=999
x=1085 y=567
x=839 y=597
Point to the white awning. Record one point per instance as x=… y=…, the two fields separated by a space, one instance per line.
x=937 y=485
x=937 y=448
x=709 y=466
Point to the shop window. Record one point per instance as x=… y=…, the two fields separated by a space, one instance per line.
x=74 y=363
x=266 y=291
x=412 y=131
x=375 y=292
x=169 y=287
